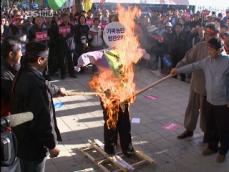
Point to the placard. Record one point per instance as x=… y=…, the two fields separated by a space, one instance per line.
x=41 y=36
x=64 y=30
x=113 y=33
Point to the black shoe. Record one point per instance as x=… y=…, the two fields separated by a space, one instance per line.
x=129 y=152
x=110 y=150
x=185 y=134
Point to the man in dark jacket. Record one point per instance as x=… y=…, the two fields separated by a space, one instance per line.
x=31 y=93
x=39 y=32
x=66 y=47
x=53 y=46
x=178 y=46
x=11 y=55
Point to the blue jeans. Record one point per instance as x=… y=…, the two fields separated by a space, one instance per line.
x=33 y=166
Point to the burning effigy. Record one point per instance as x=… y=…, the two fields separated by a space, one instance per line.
x=114 y=82
x=116 y=64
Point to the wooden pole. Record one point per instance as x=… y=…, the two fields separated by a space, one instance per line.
x=75 y=93
x=153 y=84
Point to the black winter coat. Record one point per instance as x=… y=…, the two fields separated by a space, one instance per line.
x=7 y=75
x=35 y=31
x=31 y=93
x=66 y=39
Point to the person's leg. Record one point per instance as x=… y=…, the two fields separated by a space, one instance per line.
x=222 y=123
x=63 y=65
x=203 y=113
x=191 y=115
x=124 y=130
x=52 y=61
x=211 y=130
x=33 y=166
x=71 y=65
x=192 y=111
x=110 y=135
x=110 y=139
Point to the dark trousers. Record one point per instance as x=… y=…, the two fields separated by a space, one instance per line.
x=33 y=166
x=217 y=131
x=66 y=61
x=53 y=60
x=122 y=128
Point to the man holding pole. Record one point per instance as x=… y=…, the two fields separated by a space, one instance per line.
x=197 y=90
x=216 y=72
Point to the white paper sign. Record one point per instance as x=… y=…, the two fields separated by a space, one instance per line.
x=113 y=33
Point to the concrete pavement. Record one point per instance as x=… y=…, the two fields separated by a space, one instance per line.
x=161 y=114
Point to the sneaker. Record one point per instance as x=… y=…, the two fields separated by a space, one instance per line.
x=220 y=158
x=208 y=151
x=185 y=134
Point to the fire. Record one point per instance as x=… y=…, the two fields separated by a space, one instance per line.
x=121 y=88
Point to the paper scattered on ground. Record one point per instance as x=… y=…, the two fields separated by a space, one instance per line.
x=171 y=126
x=161 y=152
x=135 y=120
x=58 y=104
x=151 y=97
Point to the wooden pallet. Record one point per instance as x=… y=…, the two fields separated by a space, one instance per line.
x=114 y=163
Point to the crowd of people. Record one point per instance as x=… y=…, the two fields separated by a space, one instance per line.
x=34 y=49
x=165 y=35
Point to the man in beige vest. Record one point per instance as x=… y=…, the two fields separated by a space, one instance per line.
x=197 y=88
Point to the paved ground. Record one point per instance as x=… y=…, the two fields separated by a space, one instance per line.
x=161 y=120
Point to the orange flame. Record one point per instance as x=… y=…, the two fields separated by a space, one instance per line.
x=120 y=90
